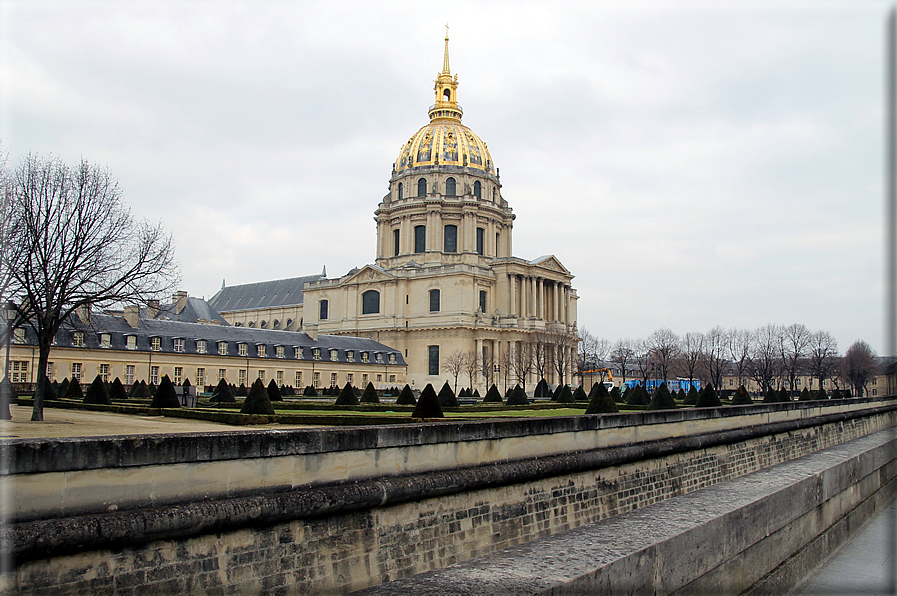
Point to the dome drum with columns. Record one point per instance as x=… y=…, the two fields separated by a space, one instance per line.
x=445 y=280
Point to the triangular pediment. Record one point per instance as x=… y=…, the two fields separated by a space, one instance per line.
x=550 y=262
x=367 y=274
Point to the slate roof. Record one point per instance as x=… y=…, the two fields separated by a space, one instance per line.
x=263 y=294
x=196 y=309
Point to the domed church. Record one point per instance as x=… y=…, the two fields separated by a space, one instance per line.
x=444 y=282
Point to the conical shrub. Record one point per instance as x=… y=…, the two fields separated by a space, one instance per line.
x=708 y=398
x=616 y=395
x=542 y=389
x=508 y=392
x=493 y=396
x=49 y=389
x=257 y=400
x=347 y=397
x=836 y=394
x=222 y=394
x=821 y=394
x=637 y=396
x=166 y=396
x=557 y=392
x=63 y=387
x=601 y=402
x=273 y=391
x=691 y=398
x=580 y=395
x=805 y=395
x=143 y=391
x=152 y=389
x=310 y=391
x=680 y=396
x=73 y=391
x=406 y=397
x=241 y=391
x=117 y=392
x=517 y=397
x=566 y=396
x=771 y=396
x=663 y=399
x=476 y=393
x=133 y=390
x=784 y=395
x=428 y=405
x=742 y=397
x=8 y=388
x=447 y=397
x=370 y=395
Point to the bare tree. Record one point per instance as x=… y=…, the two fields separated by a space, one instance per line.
x=72 y=243
x=541 y=349
x=858 y=365
x=522 y=362
x=472 y=363
x=623 y=353
x=738 y=349
x=563 y=347
x=714 y=358
x=794 y=341
x=691 y=351
x=506 y=365
x=455 y=364
x=664 y=346
x=488 y=362
x=822 y=354
x=585 y=352
x=642 y=358
x=765 y=356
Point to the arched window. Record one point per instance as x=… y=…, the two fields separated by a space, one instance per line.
x=401 y=191
x=251 y=323
x=420 y=238
x=450 y=239
x=289 y=323
x=434 y=300
x=493 y=195
x=263 y=324
x=370 y=302
x=422 y=187
x=446 y=95
x=450 y=187
x=276 y=324
x=324 y=310
x=477 y=189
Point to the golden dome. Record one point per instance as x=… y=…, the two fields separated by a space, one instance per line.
x=445 y=141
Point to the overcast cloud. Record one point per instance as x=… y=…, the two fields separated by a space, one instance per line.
x=692 y=164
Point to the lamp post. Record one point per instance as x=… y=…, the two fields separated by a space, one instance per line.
x=9 y=314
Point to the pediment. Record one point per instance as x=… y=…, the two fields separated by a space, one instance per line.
x=367 y=274
x=551 y=263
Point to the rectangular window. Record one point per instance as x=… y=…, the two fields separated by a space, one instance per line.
x=103 y=371
x=298 y=353
x=298 y=379
x=392 y=378
x=241 y=376
x=395 y=243
x=350 y=355
x=482 y=300
x=261 y=375
x=78 y=339
x=51 y=371
x=481 y=235
x=222 y=373
x=178 y=344
x=433 y=360
x=392 y=358
x=420 y=239
x=178 y=375
x=317 y=380
x=333 y=379
x=279 y=377
x=364 y=380
x=19 y=372
x=105 y=340
x=450 y=239
x=201 y=346
x=18 y=336
x=260 y=349
x=154 y=375
x=434 y=300
x=316 y=353
x=279 y=351
x=325 y=308
x=132 y=342
x=379 y=378
x=222 y=348
x=200 y=379
x=365 y=357
x=334 y=354
x=349 y=377
x=156 y=344
x=130 y=373
x=241 y=349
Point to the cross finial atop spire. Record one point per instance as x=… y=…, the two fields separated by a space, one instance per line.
x=445 y=61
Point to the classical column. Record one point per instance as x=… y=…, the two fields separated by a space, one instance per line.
x=567 y=305
x=512 y=307
x=533 y=292
x=540 y=299
x=554 y=302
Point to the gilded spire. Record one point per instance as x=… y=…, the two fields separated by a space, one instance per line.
x=445 y=61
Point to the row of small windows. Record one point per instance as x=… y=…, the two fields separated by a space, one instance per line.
x=449 y=240
x=264 y=324
x=179 y=344
x=450 y=189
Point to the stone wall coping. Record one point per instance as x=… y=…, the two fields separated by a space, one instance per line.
x=30 y=456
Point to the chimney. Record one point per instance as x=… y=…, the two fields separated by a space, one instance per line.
x=83 y=312
x=132 y=316
x=152 y=309
x=312 y=331
x=179 y=300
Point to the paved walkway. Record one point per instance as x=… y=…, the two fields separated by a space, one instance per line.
x=59 y=422
x=865 y=565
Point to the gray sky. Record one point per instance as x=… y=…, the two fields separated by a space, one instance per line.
x=692 y=164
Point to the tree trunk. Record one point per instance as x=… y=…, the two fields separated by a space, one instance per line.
x=37 y=413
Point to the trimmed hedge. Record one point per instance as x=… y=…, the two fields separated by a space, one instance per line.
x=447 y=397
x=223 y=393
x=428 y=404
x=274 y=391
x=708 y=397
x=257 y=401
x=517 y=397
x=73 y=391
x=742 y=397
x=662 y=399
x=347 y=397
x=602 y=402
x=493 y=395
x=117 y=391
x=370 y=395
x=406 y=397
x=166 y=396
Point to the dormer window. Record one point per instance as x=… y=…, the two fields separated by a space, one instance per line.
x=241 y=349
x=201 y=346
x=78 y=339
x=222 y=348
x=156 y=344
x=334 y=354
x=131 y=342
x=365 y=357
x=379 y=358
x=350 y=356
x=260 y=350
x=105 y=340
x=392 y=358
x=316 y=353
x=279 y=351
x=178 y=344
x=18 y=336
x=298 y=353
